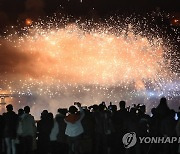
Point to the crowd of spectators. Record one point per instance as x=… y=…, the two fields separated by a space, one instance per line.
x=97 y=129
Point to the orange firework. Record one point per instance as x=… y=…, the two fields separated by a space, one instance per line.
x=65 y=61
x=28 y=22
x=72 y=55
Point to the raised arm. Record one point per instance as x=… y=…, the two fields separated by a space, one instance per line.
x=81 y=111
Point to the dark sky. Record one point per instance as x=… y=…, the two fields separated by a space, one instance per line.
x=13 y=9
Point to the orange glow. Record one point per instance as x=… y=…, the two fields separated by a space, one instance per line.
x=175 y=22
x=28 y=21
x=73 y=56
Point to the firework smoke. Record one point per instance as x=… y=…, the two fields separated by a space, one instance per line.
x=73 y=62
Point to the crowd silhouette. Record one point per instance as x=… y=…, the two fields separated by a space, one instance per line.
x=96 y=129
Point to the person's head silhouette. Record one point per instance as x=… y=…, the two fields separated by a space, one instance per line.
x=9 y=107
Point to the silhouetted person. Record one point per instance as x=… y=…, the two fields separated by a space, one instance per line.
x=74 y=129
x=20 y=112
x=103 y=129
x=44 y=127
x=143 y=127
x=162 y=109
x=88 y=124
x=154 y=123
x=61 y=137
x=132 y=125
x=178 y=133
x=53 y=136
x=144 y=121
x=168 y=129
x=28 y=131
x=10 y=129
x=120 y=118
x=1 y=132
x=19 y=131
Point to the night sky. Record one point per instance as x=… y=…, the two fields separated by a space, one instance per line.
x=11 y=10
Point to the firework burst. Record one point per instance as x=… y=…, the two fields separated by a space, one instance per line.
x=105 y=61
